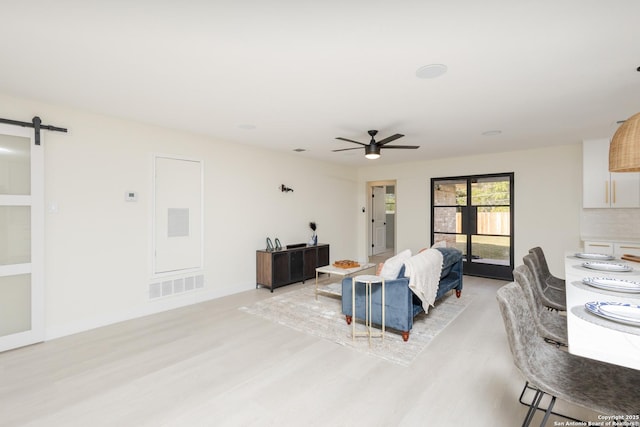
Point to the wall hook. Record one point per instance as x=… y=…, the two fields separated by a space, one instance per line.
x=285 y=189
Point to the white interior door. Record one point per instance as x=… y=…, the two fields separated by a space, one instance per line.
x=178 y=215
x=21 y=238
x=379 y=223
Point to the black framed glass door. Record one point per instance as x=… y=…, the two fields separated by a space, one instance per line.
x=475 y=214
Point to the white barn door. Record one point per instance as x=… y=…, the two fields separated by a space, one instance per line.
x=21 y=238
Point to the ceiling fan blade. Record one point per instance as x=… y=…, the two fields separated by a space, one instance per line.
x=390 y=138
x=400 y=146
x=350 y=140
x=347 y=149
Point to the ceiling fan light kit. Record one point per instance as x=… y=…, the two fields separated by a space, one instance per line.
x=372 y=150
x=624 y=151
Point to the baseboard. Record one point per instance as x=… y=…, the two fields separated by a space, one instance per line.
x=146 y=309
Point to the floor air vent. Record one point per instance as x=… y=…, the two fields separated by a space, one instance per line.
x=175 y=286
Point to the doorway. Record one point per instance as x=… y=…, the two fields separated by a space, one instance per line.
x=382 y=218
x=475 y=214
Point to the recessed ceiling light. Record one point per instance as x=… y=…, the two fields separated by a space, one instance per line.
x=431 y=71
x=492 y=132
x=247 y=127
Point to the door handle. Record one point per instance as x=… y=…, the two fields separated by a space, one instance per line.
x=606 y=191
x=613 y=195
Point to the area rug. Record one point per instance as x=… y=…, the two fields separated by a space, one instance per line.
x=299 y=310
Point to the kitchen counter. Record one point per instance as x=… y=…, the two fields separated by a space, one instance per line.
x=594 y=337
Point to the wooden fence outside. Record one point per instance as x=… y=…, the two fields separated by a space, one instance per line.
x=489 y=223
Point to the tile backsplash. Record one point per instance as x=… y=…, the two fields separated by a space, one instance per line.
x=617 y=224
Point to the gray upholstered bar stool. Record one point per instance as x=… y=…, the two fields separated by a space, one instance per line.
x=550 y=279
x=602 y=387
x=551 y=297
x=550 y=324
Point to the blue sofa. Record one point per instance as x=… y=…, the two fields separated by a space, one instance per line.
x=401 y=305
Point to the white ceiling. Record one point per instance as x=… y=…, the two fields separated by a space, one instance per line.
x=299 y=73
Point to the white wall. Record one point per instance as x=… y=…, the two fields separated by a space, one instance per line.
x=548 y=197
x=98 y=246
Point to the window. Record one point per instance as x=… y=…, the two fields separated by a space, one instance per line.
x=390 y=203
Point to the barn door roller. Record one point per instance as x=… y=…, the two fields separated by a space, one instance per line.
x=36 y=124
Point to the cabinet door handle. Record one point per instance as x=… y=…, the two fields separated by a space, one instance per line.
x=613 y=195
x=629 y=247
x=606 y=191
x=600 y=246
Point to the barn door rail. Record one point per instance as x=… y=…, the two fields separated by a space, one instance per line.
x=36 y=124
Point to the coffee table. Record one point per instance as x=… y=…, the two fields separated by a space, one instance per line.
x=341 y=272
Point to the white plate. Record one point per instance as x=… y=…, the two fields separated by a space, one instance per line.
x=616 y=311
x=602 y=257
x=618 y=285
x=606 y=266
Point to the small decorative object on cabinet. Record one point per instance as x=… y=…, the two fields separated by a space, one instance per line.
x=314 y=236
x=282 y=267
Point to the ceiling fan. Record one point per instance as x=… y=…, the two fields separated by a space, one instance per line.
x=372 y=150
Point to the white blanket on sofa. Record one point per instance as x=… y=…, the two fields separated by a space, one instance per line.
x=423 y=271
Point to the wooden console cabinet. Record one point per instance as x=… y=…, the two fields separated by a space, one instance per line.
x=286 y=266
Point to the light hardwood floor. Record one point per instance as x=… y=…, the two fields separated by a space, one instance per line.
x=211 y=364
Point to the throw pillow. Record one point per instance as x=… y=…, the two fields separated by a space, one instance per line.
x=393 y=265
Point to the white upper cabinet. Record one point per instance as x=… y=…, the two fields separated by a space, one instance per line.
x=601 y=188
